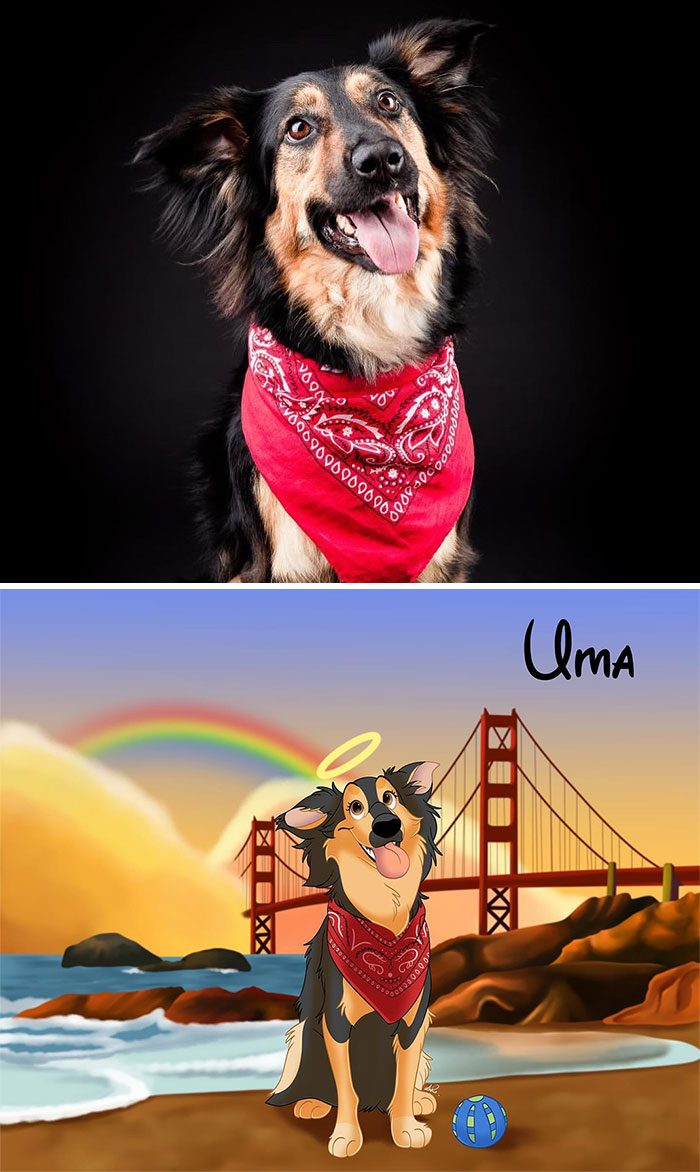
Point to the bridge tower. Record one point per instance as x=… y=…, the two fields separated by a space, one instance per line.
x=262 y=875
x=498 y=907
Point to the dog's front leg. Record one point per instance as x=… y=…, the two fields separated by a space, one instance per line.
x=406 y=1130
x=346 y=1139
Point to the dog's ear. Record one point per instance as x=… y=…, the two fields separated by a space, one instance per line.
x=420 y=776
x=301 y=818
x=435 y=55
x=311 y=813
x=201 y=160
x=208 y=142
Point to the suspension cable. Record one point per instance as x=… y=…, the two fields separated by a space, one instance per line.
x=556 y=815
x=578 y=792
x=464 y=746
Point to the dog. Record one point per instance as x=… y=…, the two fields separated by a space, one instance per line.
x=363 y=1008
x=336 y=211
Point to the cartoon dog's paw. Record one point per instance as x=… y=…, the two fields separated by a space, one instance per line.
x=424 y=1103
x=346 y=1140
x=311 y=1109
x=409 y=1133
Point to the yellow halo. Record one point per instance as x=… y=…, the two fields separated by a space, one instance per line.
x=371 y=741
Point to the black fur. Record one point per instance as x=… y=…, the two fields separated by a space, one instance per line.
x=371 y=1039
x=229 y=141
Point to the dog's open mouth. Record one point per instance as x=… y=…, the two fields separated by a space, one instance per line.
x=391 y=860
x=386 y=234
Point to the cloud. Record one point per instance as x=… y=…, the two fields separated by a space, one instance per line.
x=85 y=850
x=265 y=801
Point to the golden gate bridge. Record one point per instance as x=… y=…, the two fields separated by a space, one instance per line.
x=518 y=822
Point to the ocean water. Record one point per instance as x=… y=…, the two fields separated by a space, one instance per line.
x=41 y=977
x=59 y=1067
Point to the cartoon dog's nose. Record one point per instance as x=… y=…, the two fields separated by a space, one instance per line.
x=386 y=826
x=377 y=160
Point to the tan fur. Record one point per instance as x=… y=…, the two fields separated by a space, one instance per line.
x=352 y=1004
x=346 y=1138
x=387 y=902
x=295 y=558
x=310 y=99
x=359 y=84
x=293 y=1038
x=311 y=1109
x=406 y=1130
x=438 y=568
x=425 y=1063
x=412 y=46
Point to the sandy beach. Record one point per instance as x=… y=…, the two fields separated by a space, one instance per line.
x=615 y=1121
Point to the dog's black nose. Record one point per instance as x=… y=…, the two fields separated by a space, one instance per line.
x=386 y=826
x=378 y=160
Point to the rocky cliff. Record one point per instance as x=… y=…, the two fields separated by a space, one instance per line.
x=199 y=1005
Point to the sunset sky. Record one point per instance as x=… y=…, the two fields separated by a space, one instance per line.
x=324 y=665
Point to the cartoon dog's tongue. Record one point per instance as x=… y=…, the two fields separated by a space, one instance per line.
x=391 y=860
x=389 y=237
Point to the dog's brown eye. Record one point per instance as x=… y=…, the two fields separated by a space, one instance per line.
x=357 y=809
x=389 y=799
x=298 y=129
x=388 y=101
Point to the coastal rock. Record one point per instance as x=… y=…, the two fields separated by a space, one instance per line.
x=545 y=993
x=673 y=998
x=107 y=948
x=198 y=1005
x=664 y=933
x=466 y=957
x=215 y=1005
x=207 y=958
x=106 y=1006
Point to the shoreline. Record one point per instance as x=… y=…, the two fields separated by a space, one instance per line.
x=637 y=1120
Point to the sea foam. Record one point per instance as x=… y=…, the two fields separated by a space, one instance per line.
x=63 y=1067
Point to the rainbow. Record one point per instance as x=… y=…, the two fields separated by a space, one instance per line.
x=194 y=725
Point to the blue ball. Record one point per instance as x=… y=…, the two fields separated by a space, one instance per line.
x=479 y=1121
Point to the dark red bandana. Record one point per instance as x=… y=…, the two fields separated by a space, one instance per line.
x=375 y=473
x=388 y=971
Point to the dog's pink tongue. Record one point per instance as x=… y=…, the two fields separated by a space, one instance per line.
x=389 y=237
x=391 y=860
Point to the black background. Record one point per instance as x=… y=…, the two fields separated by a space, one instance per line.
x=568 y=368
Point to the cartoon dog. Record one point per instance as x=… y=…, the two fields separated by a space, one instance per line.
x=363 y=1007
x=335 y=214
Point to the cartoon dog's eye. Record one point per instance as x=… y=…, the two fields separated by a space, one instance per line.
x=357 y=809
x=389 y=798
x=299 y=129
x=388 y=101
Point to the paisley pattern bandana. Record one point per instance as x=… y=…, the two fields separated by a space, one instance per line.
x=376 y=474
x=388 y=971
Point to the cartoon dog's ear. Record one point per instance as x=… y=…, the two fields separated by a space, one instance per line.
x=435 y=54
x=421 y=776
x=300 y=819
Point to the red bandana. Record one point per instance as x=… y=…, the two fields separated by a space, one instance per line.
x=375 y=473
x=388 y=971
